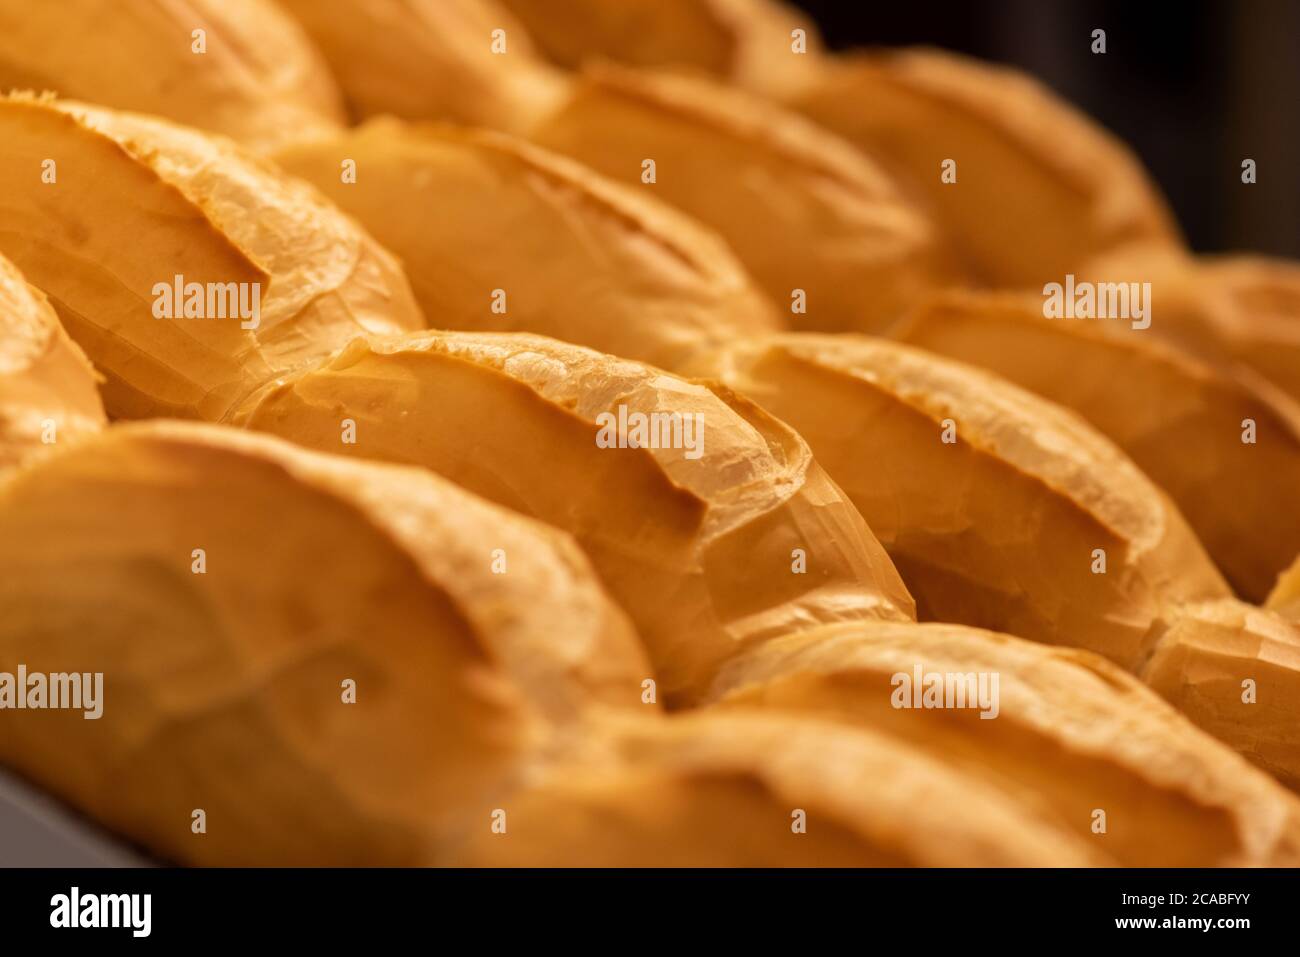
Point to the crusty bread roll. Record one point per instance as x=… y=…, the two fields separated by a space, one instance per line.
x=752 y=43
x=996 y=505
x=137 y=202
x=251 y=75
x=1039 y=187
x=1234 y=669
x=819 y=227
x=760 y=789
x=1179 y=419
x=468 y=61
x=1233 y=311
x=1069 y=734
x=225 y=690
x=527 y=240
x=48 y=392
x=718 y=531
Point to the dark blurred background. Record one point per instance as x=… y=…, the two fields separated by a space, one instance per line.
x=1194 y=86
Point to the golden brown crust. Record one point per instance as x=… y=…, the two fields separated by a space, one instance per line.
x=801 y=208
x=1023 y=210
x=1234 y=669
x=257 y=79
x=1000 y=525
x=1239 y=313
x=1180 y=419
x=138 y=202
x=749 y=42
x=467 y=61
x=679 y=538
x=565 y=252
x=237 y=672
x=735 y=789
x=1061 y=729
x=48 y=390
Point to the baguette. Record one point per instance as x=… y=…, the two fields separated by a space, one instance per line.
x=531 y=241
x=1234 y=669
x=728 y=790
x=222 y=689
x=710 y=541
x=1179 y=419
x=256 y=79
x=999 y=527
x=1039 y=188
x=1069 y=734
x=803 y=210
x=467 y=61
x=48 y=389
x=138 y=202
x=751 y=43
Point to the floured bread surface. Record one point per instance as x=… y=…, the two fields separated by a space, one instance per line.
x=48 y=391
x=716 y=531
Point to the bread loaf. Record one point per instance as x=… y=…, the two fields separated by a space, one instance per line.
x=760 y=789
x=229 y=587
x=1234 y=669
x=719 y=530
x=238 y=67
x=1000 y=509
x=1234 y=312
x=139 y=208
x=47 y=387
x=530 y=241
x=764 y=45
x=1067 y=733
x=1180 y=419
x=1038 y=188
x=819 y=227
x=467 y=61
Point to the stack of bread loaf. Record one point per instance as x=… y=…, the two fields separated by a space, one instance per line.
x=639 y=452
